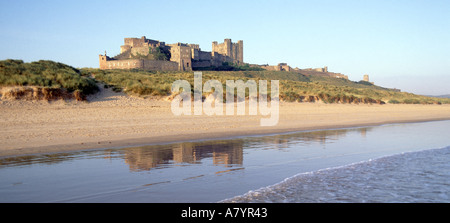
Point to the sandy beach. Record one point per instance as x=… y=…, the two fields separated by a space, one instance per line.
x=112 y=119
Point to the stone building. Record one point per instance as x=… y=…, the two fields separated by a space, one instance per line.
x=279 y=67
x=366 y=78
x=147 y=54
x=323 y=70
x=307 y=71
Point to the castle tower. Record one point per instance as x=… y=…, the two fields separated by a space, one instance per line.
x=366 y=78
x=102 y=61
x=233 y=52
x=240 y=52
x=182 y=54
x=228 y=50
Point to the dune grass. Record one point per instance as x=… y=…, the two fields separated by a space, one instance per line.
x=293 y=86
x=47 y=74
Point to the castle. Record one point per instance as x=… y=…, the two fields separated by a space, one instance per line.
x=148 y=54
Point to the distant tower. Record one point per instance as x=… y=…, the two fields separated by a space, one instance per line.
x=240 y=52
x=366 y=78
x=102 y=59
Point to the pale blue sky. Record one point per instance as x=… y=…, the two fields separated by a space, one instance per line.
x=403 y=44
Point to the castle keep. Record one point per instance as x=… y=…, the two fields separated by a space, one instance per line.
x=147 y=54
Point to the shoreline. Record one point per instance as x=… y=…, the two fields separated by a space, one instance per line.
x=173 y=139
x=114 y=120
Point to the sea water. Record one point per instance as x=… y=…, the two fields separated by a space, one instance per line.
x=413 y=177
x=388 y=163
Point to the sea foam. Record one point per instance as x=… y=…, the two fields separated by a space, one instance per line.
x=421 y=176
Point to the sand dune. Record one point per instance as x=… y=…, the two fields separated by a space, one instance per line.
x=112 y=119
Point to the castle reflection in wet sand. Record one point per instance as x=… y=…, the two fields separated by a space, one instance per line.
x=226 y=153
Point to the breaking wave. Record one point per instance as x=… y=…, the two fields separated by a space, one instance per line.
x=411 y=177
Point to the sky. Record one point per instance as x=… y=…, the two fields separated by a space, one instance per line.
x=401 y=44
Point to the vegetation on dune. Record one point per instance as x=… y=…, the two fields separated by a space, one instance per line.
x=139 y=83
x=46 y=74
x=294 y=87
x=331 y=90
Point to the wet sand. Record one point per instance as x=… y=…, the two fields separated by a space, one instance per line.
x=112 y=120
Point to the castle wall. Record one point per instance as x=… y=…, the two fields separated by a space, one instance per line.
x=203 y=59
x=271 y=68
x=218 y=59
x=194 y=54
x=318 y=69
x=199 y=64
x=203 y=55
x=106 y=64
x=133 y=42
x=143 y=51
x=140 y=45
x=124 y=48
x=138 y=42
x=159 y=65
x=121 y=64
